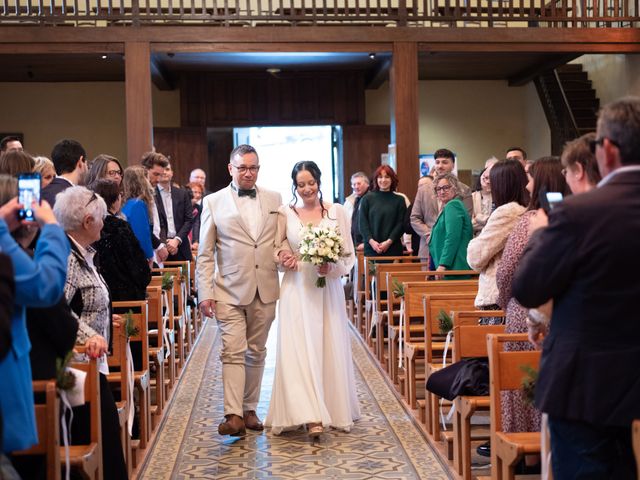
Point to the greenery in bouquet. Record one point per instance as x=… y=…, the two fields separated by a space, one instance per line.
x=319 y=246
x=65 y=379
x=529 y=382
x=167 y=281
x=130 y=328
x=445 y=322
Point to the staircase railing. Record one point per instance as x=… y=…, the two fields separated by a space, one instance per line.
x=557 y=109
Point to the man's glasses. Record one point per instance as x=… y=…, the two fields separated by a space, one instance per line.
x=113 y=173
x=443 y=188
x=242 y=169
x=600 y=141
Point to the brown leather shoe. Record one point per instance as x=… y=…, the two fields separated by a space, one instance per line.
x=233 y=425
x=252 y=422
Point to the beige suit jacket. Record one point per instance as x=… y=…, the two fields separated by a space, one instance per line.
x=232 y=264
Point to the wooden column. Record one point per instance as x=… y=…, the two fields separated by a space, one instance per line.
x=138 y=97
x=404 y=114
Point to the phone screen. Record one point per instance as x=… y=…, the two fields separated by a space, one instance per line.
x=554 y=198
x=28 y=191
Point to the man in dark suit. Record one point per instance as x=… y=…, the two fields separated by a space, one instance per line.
x=587 y=261
x=70 y=160
x=175 y=213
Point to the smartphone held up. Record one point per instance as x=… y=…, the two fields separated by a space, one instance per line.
x=549 y=200
x=28 y=192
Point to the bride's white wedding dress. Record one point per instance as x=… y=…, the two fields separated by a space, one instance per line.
x=314 y=380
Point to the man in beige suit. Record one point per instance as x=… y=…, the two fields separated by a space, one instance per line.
x=238 y=283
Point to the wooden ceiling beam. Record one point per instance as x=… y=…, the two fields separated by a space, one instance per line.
x=584 y=40
x=160 y=77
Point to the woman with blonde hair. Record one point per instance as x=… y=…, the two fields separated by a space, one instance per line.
x=138 y=201
x=46 y=169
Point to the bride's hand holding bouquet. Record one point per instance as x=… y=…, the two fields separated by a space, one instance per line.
x=321 y=246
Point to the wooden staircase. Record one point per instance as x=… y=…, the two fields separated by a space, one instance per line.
x=569 y=102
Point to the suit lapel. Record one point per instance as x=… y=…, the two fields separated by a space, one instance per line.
x=264 y=211
x=241 y=222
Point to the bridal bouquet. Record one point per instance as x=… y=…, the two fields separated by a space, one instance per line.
x=320 y=245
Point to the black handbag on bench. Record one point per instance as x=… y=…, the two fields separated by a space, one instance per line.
x=469 y=376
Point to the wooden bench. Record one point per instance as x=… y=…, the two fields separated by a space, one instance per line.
x=413 y=330
x=469 y=341
x=88 y=458
x=142 y=380
x=369 y=270
x=434 y=342
x=119 y=375
x=48 y=425
x=507 y=449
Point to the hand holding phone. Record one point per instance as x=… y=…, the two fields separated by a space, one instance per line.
x=28 y=193
x=548 y=200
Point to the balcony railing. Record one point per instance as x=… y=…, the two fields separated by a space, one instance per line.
x=299 y=13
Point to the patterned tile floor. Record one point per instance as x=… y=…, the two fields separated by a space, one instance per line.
x=384 y=444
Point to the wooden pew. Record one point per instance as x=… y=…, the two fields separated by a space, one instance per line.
x=434 y=343
x=142 y=380
x=381 y=308
x=161 y=343
x=369 y=264
x=48 y=425
x=413 y=331
x=185 y=283
x=507 y=449
x=119 y=374
x=178 y=302
x=469 y=341
x=88 y=458
x=400 y=276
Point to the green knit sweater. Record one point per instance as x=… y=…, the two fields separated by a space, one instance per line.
x=450 y=236
x=381 y=217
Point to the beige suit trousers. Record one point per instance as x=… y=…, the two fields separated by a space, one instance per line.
x=244 y=331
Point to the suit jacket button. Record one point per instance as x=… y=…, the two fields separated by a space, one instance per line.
x=256 y=266
x=255 y=245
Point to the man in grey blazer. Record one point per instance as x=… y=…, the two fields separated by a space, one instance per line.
x=238 y=283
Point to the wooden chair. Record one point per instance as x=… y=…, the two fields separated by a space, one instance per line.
x=381 y=308
x=636 y=443
x=48 y=424
x=161 y=343
x=88 y=458
x=369 y=267
x=413 y=331
x=469 y=341
x=119 y=374
x=185 y=280
x=177 y=301
x=141 y=377
x=434 y=345
x=507 y=449
x=394 y=305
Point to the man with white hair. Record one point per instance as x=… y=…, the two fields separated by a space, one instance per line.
x=198 y=175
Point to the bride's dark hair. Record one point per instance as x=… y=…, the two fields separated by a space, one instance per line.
x=313 y=169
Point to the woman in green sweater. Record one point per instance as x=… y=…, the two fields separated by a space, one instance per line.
x=381 y=215
x=452 y=231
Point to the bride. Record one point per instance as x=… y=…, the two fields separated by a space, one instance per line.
x=314 y=382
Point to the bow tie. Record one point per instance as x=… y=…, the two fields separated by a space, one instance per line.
x=247 y=193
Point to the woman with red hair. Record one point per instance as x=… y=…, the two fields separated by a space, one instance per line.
x=381 y=215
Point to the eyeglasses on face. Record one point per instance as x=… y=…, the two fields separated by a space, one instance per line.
x=113 y=173
x=93 y=197
x=443 y=188
x=242 y=169
x=600 y=141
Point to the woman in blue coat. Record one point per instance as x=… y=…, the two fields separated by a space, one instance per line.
x=39 y=282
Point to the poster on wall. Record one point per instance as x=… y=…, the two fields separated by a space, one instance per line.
x=427 y=162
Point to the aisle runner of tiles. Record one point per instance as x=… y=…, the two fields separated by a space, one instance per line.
x=384 y=444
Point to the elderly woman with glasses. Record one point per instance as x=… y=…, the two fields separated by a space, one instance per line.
x=452 y=231
x=105 y=166
x=81 y=214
